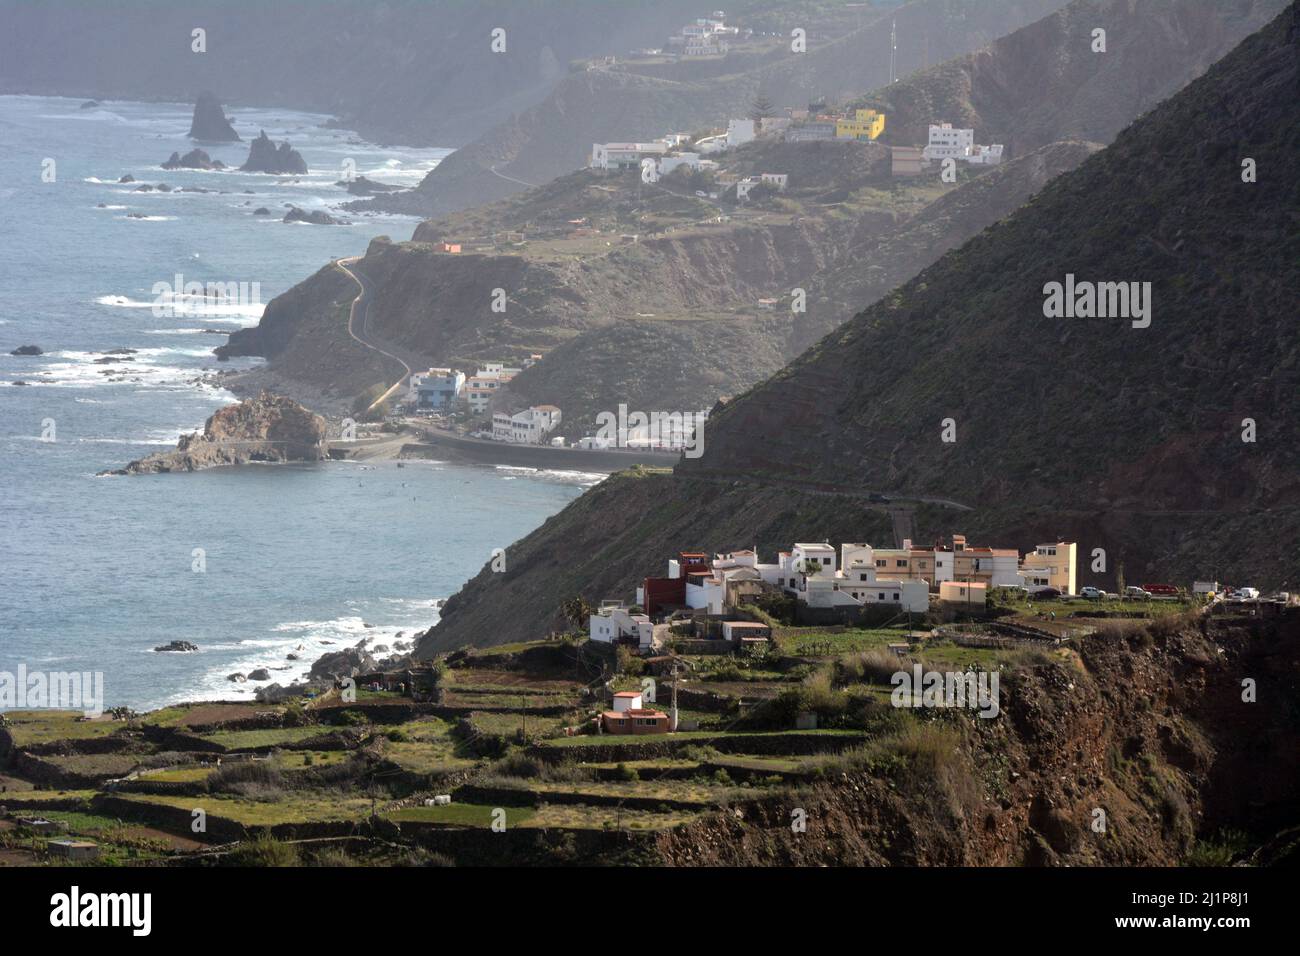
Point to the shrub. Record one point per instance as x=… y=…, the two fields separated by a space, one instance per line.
x=869 y=667
x=240 y=775
x=265 y=850
x=626 y=773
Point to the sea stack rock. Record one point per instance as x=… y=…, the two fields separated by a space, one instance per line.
x=210 y=124
x=265 y=157
x=267 y=428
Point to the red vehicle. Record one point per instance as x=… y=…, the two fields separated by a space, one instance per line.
x=1161 y=590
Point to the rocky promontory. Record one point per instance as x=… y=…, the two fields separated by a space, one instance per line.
x=210 y=123
x=267 y=428
x=265 y=157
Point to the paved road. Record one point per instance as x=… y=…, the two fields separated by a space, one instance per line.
x=357 y=325
x=509 y=179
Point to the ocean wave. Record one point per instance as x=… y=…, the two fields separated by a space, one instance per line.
x=309 y=640
x=585 y=478
x=184 y=304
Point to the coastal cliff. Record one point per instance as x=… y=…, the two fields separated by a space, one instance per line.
x=268 y=428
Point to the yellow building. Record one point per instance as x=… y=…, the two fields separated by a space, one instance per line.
x=866 y=124
x=1053 y=564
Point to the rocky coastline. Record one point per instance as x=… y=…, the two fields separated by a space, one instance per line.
x=268 y=428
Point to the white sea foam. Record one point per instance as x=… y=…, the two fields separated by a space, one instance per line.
x=309 y=640
x=584 y=478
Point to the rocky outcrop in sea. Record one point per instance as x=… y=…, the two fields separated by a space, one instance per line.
x=194 y=159
x=265 y=157
x=317 y=217
x=210 y=123
x=268 y=428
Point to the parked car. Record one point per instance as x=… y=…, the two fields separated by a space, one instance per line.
x=1248 y=594
x=1161 y=590
x=1135 y=593
x=1091 y=593
x=1044 y=594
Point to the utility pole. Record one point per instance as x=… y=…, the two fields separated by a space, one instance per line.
x=893 y=48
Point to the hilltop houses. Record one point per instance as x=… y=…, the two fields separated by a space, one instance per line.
x=947 y=142
x=865 y=124
x=704 y=36
x=625 y=155
x=485 y=383
x=615 y=624
x=845 y=581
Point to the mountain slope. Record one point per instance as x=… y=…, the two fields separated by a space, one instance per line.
x=555 y=136
x=1120 y=438
x=1045 y=83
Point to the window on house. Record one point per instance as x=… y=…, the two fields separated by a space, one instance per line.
x=895 y=596
x=900 y=563
x=880 y=562
x=862 y=576
x=826 y=560
x=880 y=596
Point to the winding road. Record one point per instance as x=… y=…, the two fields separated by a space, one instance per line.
x=357 y=320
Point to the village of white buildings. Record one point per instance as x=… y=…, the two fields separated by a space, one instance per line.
x=832 y=586
x=712 y=36
x=446 y=392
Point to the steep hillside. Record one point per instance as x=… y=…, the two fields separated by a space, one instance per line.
x=1090 y=412
x=685 y=265
x=875 y=264
x=1128 y=439
x=1044 y=83
x=555 y=136
x=1149 y=727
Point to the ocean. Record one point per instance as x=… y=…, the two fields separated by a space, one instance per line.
x=253 y=563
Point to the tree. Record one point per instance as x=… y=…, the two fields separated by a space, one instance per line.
x=576 y=610
x=761 y=109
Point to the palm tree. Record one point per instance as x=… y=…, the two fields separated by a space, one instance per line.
x=576 y=610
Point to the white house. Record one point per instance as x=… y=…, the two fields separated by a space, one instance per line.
x=438 y=388
x=669 y=163
x=611 y=624
x=528 y=427
x=739 y=132
x=985 y=155
x=625 y=155
x=947 y=141
x=626 y=700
